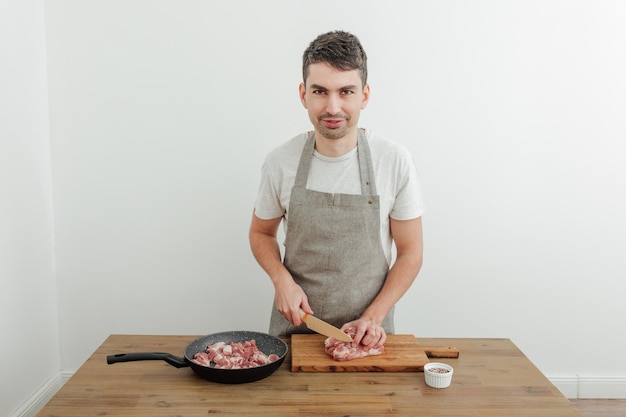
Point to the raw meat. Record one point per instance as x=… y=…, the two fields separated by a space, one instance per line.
x=233 y=356
x=344 y=351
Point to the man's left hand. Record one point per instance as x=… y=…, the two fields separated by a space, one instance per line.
x=368 y=333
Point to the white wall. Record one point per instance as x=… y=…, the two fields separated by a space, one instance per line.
x=28 y=297
x=161 y=114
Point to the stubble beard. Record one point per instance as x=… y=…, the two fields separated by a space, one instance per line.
x=336 y=133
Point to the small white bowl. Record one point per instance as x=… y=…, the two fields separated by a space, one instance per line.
x=438 y=375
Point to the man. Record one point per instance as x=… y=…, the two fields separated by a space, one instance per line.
x=344 y=195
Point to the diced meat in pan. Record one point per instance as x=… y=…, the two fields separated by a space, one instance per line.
x=233 y=356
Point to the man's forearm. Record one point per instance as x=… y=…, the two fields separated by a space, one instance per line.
x=399 y=279
x=267 y=253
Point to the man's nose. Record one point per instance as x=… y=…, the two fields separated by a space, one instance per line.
x=333 y=105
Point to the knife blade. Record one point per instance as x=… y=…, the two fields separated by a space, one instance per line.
x=321 y=327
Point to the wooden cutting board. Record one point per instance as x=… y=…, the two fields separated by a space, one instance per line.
x=403 y=353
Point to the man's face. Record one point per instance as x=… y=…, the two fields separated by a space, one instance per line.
x=334 y=100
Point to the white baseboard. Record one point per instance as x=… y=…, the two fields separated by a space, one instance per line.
x=580 y=387
x=568 y=386
x=41 y=397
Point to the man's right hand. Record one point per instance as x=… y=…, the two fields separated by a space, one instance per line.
x=289 y=298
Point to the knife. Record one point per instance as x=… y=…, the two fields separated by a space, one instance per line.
x=321 y=327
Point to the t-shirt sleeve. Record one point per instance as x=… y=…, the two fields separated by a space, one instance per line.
x=268 y=204
x=409 y=203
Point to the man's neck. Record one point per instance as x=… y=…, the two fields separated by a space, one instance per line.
x=335 y=147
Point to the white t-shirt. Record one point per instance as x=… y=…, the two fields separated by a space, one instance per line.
x=394 y=171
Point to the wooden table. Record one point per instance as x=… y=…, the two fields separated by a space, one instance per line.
x=492 y=377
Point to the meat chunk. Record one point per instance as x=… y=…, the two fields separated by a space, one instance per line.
x=232 y=355
x=344 y=351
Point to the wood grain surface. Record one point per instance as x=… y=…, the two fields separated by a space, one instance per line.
x=492 y=378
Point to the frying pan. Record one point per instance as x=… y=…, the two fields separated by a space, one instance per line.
x=266 y=344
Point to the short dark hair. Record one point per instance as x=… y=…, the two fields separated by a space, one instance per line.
x=341 y=50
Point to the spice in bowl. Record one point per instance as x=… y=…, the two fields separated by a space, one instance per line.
x=439 y=370
x=438 y=375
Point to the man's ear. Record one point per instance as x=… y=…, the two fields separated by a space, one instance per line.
x=366 y=96
x=302 y=93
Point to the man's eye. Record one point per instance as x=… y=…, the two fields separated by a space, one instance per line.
x=318 y=92
x=347 y=92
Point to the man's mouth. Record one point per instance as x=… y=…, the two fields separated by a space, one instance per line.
x=333 y=123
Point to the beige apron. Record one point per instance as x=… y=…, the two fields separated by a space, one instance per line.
x=333 y=248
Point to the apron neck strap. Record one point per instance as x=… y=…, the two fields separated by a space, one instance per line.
x=368 y=185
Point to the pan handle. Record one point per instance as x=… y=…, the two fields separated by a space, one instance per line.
x=148 y=356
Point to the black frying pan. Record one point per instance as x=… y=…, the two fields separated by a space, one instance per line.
x=266 y=343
